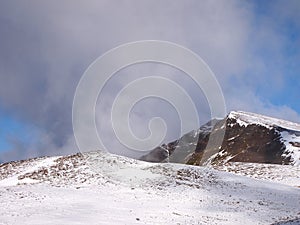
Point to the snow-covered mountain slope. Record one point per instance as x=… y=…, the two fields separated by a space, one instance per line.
x=100 y=188
x=248 y=137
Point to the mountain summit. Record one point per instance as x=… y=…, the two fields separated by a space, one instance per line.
x=248 y=137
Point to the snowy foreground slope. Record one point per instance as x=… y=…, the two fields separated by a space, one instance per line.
x=99 y=188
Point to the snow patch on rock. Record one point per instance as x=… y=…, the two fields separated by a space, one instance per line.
x=292 y=144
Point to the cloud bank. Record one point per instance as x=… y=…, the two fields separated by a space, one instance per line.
x=253 y=49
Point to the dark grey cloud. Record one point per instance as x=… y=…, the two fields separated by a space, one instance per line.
x=46 y=46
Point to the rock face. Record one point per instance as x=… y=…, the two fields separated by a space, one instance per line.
x=246 y=137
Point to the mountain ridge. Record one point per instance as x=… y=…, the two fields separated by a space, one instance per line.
x=248 y=137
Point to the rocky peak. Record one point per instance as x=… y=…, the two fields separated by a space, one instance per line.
x=248 y=137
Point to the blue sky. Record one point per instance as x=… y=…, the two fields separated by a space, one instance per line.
x=12 y=129
x=8 y=127
x=253 y=47
x=289 y=28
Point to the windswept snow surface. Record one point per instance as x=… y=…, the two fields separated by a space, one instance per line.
x=283 y=174
x=101 y=188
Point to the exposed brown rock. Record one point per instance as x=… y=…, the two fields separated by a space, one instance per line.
x=242 y=143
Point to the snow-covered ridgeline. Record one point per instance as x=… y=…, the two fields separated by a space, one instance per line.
x=247 y=118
